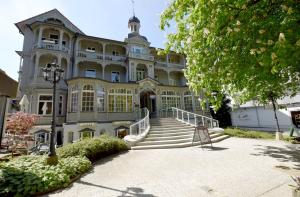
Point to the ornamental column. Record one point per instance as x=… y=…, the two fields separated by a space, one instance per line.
x=40 y=37
x=61 y=33
x=36 y=67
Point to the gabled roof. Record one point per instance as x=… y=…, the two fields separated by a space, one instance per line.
x=149 y=79
x=44 y=16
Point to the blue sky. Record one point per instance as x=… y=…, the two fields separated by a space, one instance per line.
x=101 y=18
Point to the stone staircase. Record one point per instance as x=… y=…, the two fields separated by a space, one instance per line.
x=171 y=133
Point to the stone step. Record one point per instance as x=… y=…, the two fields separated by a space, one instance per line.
x=171 y=126
x=177 y=145
x=170 y=134
x=161 y=129
x=172 y=141
x=168 y=137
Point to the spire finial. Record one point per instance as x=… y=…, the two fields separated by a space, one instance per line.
x=132 y=1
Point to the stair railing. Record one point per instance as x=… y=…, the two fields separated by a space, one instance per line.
x=194 y=119
x=142 y=126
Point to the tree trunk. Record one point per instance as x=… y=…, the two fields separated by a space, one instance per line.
x=278 y=132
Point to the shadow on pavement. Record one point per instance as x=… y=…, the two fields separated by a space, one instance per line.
x=129 y=192
x=288 y=153
x=209 y=148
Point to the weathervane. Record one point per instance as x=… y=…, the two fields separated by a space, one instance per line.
x=132 y=1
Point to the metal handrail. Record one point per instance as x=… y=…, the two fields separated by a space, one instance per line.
x=187 y=117
x=142 y=125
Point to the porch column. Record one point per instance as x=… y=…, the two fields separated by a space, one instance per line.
x=103 y=71
x=36 y=67
x=76 y=69
x=103 y=54
x=40 y=37
x=95 y=101
x=61 y=33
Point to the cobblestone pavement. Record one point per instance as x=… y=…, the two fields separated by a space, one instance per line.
x=234 y=168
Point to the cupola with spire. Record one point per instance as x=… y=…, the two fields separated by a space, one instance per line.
x=134 y=24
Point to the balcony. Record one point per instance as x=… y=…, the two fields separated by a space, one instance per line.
x=90 y=55
x=141 y=56
x=117 y=58
x=169 y=65
x=50 y=45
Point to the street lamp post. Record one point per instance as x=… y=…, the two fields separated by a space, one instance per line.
x=53 y=73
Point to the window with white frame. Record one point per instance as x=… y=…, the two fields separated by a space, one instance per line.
x=45 y=105
x=87 y=99
x=100 y=99
x=90 y=73
x=120 y=100
x=170 y=99
x=74 y=98
x=115 y=77
x=188 y=101
x=140 y=74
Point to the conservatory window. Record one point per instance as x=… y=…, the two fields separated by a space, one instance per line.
x=100 y=99
x=120 y=100
x=170 y=99
x=74 y=98
x=88 y=98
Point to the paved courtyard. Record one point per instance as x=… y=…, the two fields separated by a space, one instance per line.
x=235 y=168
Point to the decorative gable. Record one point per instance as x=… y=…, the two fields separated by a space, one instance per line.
x=51 y=16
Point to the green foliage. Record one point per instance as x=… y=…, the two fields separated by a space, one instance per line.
x=248 y=133
x=249 y=49
x=223 y=113
x=94 y=148
x=28 y=175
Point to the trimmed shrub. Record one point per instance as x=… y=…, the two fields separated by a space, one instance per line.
x=93 y=148
x=28 y=175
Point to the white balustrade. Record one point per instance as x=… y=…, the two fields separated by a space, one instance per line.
x=142 y=126
x=89 y=55
x=185 y=116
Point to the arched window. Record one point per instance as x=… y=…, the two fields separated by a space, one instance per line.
x=74 y=98
x=170 y=99
x=87 y=100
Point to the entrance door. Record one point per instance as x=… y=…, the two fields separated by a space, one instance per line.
x=148 y=99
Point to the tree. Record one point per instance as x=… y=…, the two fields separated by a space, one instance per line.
x=249 y=49
x=18 y=127
x=223 y=113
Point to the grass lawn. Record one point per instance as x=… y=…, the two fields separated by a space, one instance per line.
x=243 y=133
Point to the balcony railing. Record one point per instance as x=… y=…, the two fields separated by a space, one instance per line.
x=52 y=46
x=141 y=56
x=115 y=58
x=170 y=65
x=90 y=55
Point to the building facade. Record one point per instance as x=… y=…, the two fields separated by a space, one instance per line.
x=106 y=82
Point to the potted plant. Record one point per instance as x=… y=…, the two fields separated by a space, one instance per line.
x=296 y=191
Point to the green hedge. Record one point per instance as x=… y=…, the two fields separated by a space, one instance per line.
x=28 y=175
x=94 y=149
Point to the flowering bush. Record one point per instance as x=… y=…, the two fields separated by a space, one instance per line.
x=18 y=127
x=20 y=123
